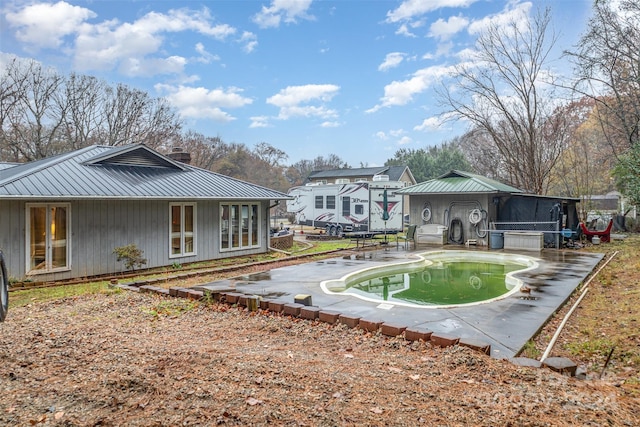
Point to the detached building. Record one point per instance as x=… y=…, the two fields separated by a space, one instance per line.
x=468 y=206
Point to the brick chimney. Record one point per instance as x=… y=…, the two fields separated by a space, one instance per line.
x=179 y=155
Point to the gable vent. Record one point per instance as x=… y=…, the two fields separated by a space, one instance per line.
x=137 y=158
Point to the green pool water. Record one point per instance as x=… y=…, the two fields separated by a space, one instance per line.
x=441 y=284
x=446 y=278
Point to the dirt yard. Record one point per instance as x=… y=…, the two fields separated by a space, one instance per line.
x=123 y=358
x=140 y=360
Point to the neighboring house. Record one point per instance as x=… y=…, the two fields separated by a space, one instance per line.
x=456 y=198
x=63 y=216
x=344 y=176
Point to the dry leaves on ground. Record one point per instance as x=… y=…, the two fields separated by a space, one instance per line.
x=137 y=359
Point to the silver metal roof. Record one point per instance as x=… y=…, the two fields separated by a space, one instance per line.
x=130 y=172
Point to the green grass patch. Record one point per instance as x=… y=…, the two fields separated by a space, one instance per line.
x=30 y=296
x=529 y=350
x=170 y=308
x=588 y=349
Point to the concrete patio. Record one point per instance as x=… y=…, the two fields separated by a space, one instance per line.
x=504 y=325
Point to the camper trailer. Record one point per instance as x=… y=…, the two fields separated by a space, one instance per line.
x=359 y=208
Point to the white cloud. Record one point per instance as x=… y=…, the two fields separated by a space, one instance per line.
x=131 y=47
x=403 y=30
x=145 y=67
x=44 y=25
x=259 y=122
x=404 y=140
x=392 y=60
x=518 y=13
x=205 y=56
x=330 y=124
x=201 y=103
x=402 y=92
x=109 y=43
x=410 y=9
x=381 y=135
x=434 y=123
x=292 y=100
x=396 y=132
x=249 y=40
x=288 y=11
x=444 y=30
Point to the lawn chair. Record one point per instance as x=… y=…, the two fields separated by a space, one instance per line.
x=409 y=237
x=604 y=235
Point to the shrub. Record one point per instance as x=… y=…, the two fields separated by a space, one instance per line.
x=131 y=255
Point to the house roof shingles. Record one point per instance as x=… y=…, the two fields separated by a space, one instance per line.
x=131 y=172
x=459 y=182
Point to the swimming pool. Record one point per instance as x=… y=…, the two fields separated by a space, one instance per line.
x=437 y=279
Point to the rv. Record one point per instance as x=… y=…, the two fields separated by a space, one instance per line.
x=362 y=208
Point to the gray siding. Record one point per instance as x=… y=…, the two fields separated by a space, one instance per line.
x=99 y=226
x=445 y=207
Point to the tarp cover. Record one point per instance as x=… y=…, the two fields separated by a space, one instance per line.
x=540 y=209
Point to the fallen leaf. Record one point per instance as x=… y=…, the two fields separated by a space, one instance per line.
x=392 y=369
x=58 y=415
x=414 y=377
x=376 y=410
x=350 y=356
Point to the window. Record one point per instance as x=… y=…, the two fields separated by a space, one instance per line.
x=47 y=237
x=346 y=206
x=239 y=226
x=319 y=204
x=359 y=209
x=183 y=230
x=331 y=202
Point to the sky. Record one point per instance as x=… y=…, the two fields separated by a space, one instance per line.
x=354 y=78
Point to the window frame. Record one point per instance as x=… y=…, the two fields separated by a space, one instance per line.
x=249 y=226
x=331 y=202
x=48 y=254
x=184 y=234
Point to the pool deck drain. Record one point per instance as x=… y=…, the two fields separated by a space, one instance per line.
x=506 y=325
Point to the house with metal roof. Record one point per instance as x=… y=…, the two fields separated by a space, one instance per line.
x=344 y=176
x=468 y=205
x=63 y=216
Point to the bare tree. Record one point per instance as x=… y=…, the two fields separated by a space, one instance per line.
x=299 y=171
x=508 y=93
x=481 y=152
x=132 y=116
x=81 y=107
x=270 y=154
x=608 y=71
x=31 y=117
x=607 y=63
x=42 y=113
x=205 y=151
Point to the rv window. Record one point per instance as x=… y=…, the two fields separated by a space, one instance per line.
x=359 y=209
x=319 y=202
x=346 y=206
x=331 y=202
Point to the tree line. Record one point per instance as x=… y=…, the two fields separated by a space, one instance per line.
x=550 y=135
